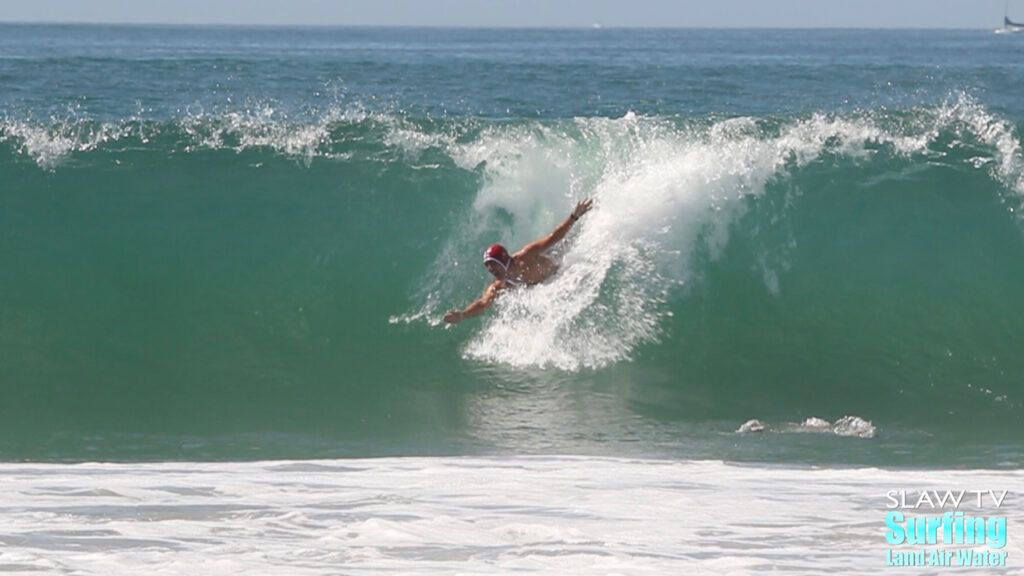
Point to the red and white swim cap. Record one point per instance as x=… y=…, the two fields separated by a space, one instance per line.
x=497 y=253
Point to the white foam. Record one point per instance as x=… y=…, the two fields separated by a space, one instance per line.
x=426 y=516
x=264 y=126
x=751 y=426
x=49 y=145
x=815 y=423
x=852 y=426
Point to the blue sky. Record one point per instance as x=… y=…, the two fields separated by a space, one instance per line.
x=526 y=13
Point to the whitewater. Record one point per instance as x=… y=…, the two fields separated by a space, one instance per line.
x=541 y=515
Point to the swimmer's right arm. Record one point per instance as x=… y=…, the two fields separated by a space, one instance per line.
x=478 y=305
x=546 y=243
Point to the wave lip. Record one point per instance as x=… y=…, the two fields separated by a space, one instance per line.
x=51 y=143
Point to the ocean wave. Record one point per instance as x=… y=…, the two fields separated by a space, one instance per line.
x=668 y=192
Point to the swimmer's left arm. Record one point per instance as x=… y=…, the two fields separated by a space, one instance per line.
x=476 y=307
x=547 y=242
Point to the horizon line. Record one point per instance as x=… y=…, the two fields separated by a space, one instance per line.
x=597 y=27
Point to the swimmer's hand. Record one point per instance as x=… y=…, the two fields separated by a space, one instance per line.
x=582 y=207
x=453 y=316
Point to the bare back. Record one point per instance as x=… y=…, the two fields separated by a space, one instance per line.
x=531 y=269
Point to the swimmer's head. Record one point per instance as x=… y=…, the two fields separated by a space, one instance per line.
x=497 y=260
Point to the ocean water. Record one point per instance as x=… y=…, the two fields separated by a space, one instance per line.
x=226 y=253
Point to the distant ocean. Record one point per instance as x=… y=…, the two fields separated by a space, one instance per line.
x=225 y=254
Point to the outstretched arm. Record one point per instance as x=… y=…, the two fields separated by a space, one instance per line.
x=547 y=242
x=476 y=307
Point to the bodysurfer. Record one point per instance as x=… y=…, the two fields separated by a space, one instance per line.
x=526 y=267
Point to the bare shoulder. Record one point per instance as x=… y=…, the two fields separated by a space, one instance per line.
x=528 y=252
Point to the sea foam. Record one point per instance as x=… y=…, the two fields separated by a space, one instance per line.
x=426 y=516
